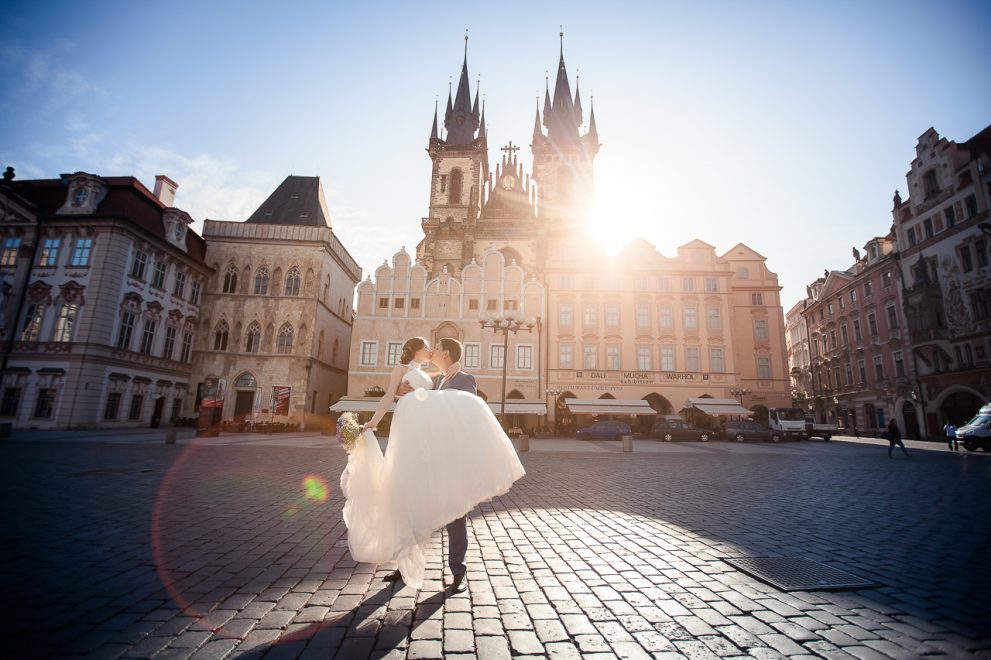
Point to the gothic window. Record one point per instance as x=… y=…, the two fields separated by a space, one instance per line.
x=261 y=281
x=253 y=338
x=454 y=194
x=333 y=357
x=220 y=336
x=284 y=344
x=293 y=281
x=230 y=279
x=931 y=183
x=246 y=380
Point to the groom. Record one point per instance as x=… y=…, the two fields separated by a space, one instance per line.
x=447 y=357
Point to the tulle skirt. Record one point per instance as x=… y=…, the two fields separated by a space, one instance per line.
x=446 y=454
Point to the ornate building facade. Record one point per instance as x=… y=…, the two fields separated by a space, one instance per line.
x=277 y=313
x=102 y=287
x=636 y=326
x=905 y=333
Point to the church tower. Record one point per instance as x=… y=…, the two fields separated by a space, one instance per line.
x=460 y=167
x=562 y=158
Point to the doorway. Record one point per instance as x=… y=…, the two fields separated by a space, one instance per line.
x=243 y=403
x=156 y=415
x=911 y=421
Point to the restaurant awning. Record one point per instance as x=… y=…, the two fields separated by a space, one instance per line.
x=717 y=406
x=609 y=407
x=368 y=404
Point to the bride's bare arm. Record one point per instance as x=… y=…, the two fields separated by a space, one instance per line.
x=388 y=398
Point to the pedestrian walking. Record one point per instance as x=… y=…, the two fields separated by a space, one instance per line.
x=951 y=436
x=894 y=437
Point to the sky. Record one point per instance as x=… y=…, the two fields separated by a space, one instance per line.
x=784 y=125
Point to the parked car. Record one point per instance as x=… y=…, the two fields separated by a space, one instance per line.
x=976 y=434
x=741 y=430
x=605 y=430
x=673 y=429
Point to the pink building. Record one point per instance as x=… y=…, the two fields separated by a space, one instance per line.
x=861 y=368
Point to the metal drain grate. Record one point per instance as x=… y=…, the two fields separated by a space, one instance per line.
x=799 y=574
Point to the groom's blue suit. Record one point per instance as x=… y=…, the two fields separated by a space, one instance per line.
x=457 y=530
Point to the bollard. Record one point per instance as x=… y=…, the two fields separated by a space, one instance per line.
x=524 y=443
x=170 y=437
x=627 y=443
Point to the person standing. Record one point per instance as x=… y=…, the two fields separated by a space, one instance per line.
x=895 y=438
x=951 y=436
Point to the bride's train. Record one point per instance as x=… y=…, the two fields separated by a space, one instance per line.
x=446 y=454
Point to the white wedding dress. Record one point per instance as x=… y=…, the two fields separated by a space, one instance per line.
x=446 y=453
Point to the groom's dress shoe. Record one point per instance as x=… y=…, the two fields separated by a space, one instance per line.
x=394 y=576
x=459 y=586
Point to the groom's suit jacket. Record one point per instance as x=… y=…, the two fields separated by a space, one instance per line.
x=461 y=381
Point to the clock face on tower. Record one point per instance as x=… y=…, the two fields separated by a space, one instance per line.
x=508 y=182
x=459 y=118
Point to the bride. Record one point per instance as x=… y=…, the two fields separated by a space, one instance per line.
x=446 y=453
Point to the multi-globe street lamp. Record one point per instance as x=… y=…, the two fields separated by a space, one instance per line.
x=511 y=321
x=740 y=393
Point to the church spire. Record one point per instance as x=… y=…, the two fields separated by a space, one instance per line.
x=481 y=126
x=562 y=125
x=463 y=121
x=578 y=102
x=547 y=102
x=537 y=132
x=433 y=130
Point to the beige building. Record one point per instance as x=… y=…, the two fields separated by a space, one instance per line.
x=277 y=313
x=102 y=286
x=638 y=327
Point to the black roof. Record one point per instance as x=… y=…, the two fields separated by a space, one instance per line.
x=297 y=201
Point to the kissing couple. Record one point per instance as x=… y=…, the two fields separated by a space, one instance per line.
x=446 y=453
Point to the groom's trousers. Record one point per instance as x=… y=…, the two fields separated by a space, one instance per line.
x=457 y=545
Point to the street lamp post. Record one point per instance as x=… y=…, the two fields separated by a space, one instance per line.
x=554 y=393
x=513 y=322
x=739 y=393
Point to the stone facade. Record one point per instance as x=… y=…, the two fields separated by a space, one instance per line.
x=916 y=306
x=102 y=281
x=861 y=370
x=278 y=310
x=635 y=326
x=943 y=235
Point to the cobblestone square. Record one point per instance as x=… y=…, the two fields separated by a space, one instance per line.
x=234 y=547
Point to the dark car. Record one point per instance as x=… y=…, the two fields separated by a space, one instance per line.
x=673 y=429
x=741 y=431
x=605 y=430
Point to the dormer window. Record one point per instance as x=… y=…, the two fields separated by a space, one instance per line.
x=930 y=183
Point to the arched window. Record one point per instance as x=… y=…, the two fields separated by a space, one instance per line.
x=454 y=191
x=333 y=357
x=245 y=380
x=284 y=343
x=261 y=281
x=220 y=336
x=253 y=338
x=293 y=281
x=230 y=279
x=320 y=346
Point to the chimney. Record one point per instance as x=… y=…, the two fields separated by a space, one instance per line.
x=165 y=189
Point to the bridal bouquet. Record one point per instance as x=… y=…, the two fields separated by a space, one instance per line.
x=348 y=430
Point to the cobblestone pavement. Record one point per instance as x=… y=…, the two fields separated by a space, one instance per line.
x=232 y=548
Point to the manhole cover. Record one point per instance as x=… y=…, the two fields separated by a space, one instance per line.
x=799 y=574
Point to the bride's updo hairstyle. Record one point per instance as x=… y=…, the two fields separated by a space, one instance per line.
x=411 y=348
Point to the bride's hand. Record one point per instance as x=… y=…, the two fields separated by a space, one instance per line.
x=367 y=427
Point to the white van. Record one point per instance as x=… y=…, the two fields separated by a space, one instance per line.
x=789 y=421
x=976 y=434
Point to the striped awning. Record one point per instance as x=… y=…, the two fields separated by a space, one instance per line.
x=369 y=404
x=609 y=407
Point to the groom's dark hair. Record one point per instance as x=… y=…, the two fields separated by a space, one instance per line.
x=453 y=347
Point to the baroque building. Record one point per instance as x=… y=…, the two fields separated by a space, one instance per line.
x=636 y=327
x=277 y=312
x=102 y=287
x=905 y=333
